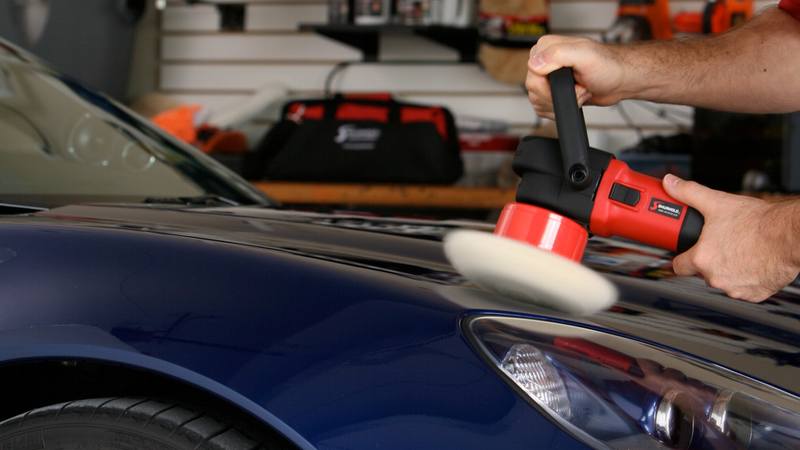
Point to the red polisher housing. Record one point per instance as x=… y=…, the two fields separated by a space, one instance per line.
x=544 y=229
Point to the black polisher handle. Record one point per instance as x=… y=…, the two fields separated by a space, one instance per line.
x=571 y=128
x=690 y=230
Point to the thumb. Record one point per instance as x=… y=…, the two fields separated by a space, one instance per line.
x=693 y=194
x=555 y=57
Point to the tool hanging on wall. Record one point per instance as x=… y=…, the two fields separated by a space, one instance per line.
x=717 y=17
x=639 y=20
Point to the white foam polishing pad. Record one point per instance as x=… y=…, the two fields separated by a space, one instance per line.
x=527 y=273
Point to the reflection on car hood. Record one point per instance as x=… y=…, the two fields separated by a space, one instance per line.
x=761 y=340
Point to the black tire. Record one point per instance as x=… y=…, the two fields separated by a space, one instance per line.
x=120 y=424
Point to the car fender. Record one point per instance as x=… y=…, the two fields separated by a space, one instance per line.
x=70 y=342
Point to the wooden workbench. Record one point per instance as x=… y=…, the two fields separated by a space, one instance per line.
x=388 y=195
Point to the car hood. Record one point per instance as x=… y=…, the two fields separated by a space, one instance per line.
x=759 y=340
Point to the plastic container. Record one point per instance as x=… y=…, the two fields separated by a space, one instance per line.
x=340 y=11
x=456 y=13
x=372 y=12
x=415 y=12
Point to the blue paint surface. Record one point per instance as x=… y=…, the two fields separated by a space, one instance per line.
x=342 y=356
x=338 y=336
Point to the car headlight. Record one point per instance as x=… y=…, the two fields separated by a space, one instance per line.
x=612 y=391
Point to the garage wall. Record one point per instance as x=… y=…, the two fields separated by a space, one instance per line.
x=200 y=64
x=144 y=59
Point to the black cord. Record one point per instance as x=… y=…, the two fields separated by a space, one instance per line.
x=331 y=75
x=629 y=121
x=672 y=117
x=663 y=112
x=339 y=67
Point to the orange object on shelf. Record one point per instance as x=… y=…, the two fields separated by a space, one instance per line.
x=688 y=22
x=211 y=139
x=717 y=17
x=722 y=15
x=653 y=16
x=179 y=122
x=655 y=13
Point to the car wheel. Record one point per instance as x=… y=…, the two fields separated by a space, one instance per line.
x=120 y=423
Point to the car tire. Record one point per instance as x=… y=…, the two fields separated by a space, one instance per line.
x=120 y=423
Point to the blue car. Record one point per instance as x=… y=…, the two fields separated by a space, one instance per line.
x=151 y=299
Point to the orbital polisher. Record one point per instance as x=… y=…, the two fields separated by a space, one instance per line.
x=567 y=191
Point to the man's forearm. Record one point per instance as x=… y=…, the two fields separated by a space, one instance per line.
x=786 y=218
x=754 y=68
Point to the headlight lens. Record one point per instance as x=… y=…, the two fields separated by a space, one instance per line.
x=611 y=391
x=531 y=370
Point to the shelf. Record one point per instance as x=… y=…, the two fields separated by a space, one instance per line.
x=367 y=37
x=387 y=195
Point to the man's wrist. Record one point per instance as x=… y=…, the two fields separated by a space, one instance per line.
x=785 y=215
x=645 y=74
x=631 y=81
x=793 y=211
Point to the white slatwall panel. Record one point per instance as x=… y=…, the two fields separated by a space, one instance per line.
x=269 y=48
x=285 y=16
x=405 y=46
x=216 y=69
x=260 y=17
x=190 y=18
x=213 y=101
x=450 y=78
x=255 y=48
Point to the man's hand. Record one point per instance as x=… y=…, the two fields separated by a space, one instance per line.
x=599 y=71
x=747 y=246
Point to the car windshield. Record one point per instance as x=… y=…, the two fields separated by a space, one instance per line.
x=61 y=143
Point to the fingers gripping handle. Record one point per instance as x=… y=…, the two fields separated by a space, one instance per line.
x=571 y=128
x=690 y=230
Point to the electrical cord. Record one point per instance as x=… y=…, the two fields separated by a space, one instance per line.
x=674 y=117
x=629 y=122
x=340 y=67
x=664 y=112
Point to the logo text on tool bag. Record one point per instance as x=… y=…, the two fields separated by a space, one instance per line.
x=665 y=208
x=350 y=137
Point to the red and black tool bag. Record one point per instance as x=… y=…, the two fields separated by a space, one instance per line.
x=370 y=138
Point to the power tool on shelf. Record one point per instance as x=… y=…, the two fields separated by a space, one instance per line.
x=639 y=20
x=718 y=16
